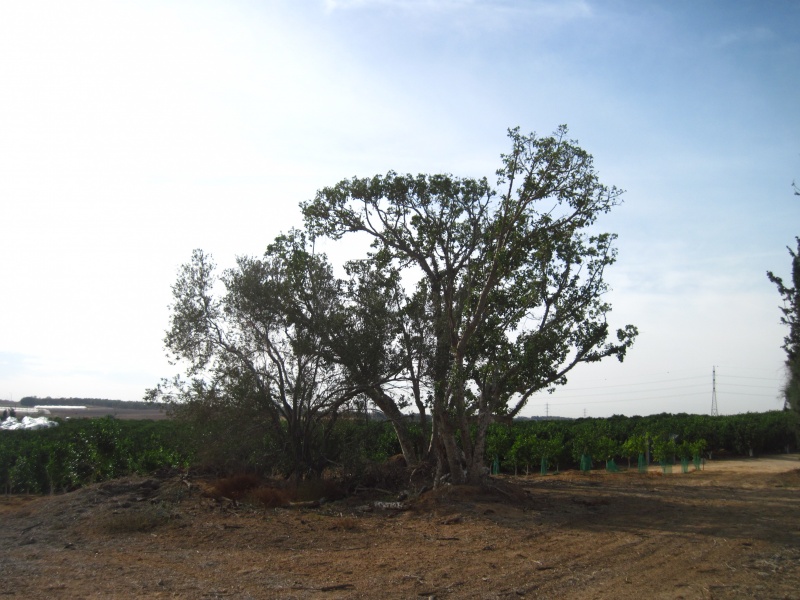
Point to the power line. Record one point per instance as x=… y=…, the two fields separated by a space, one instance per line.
x=753 y=395
x=735 y=368
x=644 y=398
x=628 y=392
x=610 y=393
x=761 y=378
x=670 y=397
x=616 y=385
x=597 y=390
x=762 y=387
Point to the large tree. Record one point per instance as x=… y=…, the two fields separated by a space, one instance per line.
x=255 y=343
x=509 y=292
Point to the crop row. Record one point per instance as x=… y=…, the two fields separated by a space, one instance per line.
x=84 y=451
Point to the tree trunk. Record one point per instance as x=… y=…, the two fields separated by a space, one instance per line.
x=398 y=421
x=453 y=456
x=476 y=470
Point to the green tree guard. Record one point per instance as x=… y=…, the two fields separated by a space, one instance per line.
x=642 y=463
x=697 y=462
x=586 y=462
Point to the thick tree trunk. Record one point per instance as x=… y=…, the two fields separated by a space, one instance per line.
x=406 y=445
x=463 y=469
x=399 y=423
x=449 y=456
x=476 y=471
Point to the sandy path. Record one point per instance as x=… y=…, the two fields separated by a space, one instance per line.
x=777 y=463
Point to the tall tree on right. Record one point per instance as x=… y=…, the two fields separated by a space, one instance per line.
x=791 y=317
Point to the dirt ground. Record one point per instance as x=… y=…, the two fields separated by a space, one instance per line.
x=731 y=530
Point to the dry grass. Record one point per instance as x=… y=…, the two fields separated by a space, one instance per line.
x=235 y=487
x=249 y=489
x=139 y=520
x=315 y=489
x=345 y=524
x=268 y=497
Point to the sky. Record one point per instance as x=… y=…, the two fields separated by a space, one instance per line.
x=134 y=132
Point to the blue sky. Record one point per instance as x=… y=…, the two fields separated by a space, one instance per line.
x=134 y=132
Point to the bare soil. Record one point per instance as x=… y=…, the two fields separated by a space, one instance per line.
x=731 y=530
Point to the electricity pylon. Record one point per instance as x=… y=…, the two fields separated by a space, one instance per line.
x=714 y=412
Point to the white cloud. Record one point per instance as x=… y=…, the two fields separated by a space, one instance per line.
x=502 y=10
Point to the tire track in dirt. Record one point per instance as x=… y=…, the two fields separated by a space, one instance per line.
x=574 y=535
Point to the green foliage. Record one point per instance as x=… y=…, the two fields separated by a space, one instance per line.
x=355 y=444
x=685 y=450
x=499 y=439
x=699 y=446
x=511 y=295
x=618 y=436
x=634 y=446
x=606 y=448
x=553 y=451
x=226 y=442
x=585 y=437
x=663 y=449
x=525 y=450
x=522 y=446
x=83 y=451
x=261 y=342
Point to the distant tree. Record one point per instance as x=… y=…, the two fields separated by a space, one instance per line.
x=634 y=446
x=685 y=450
x=698 y=447
x=663 y=449
x=525 y=449
x=791 y=318
x=498 y=440
x=584 y=441
x=552 y=450
x=607 y=448
x=509 y=287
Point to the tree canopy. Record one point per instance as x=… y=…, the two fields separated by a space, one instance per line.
x=260 y=352
x=473 y=298
x=510 y=280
